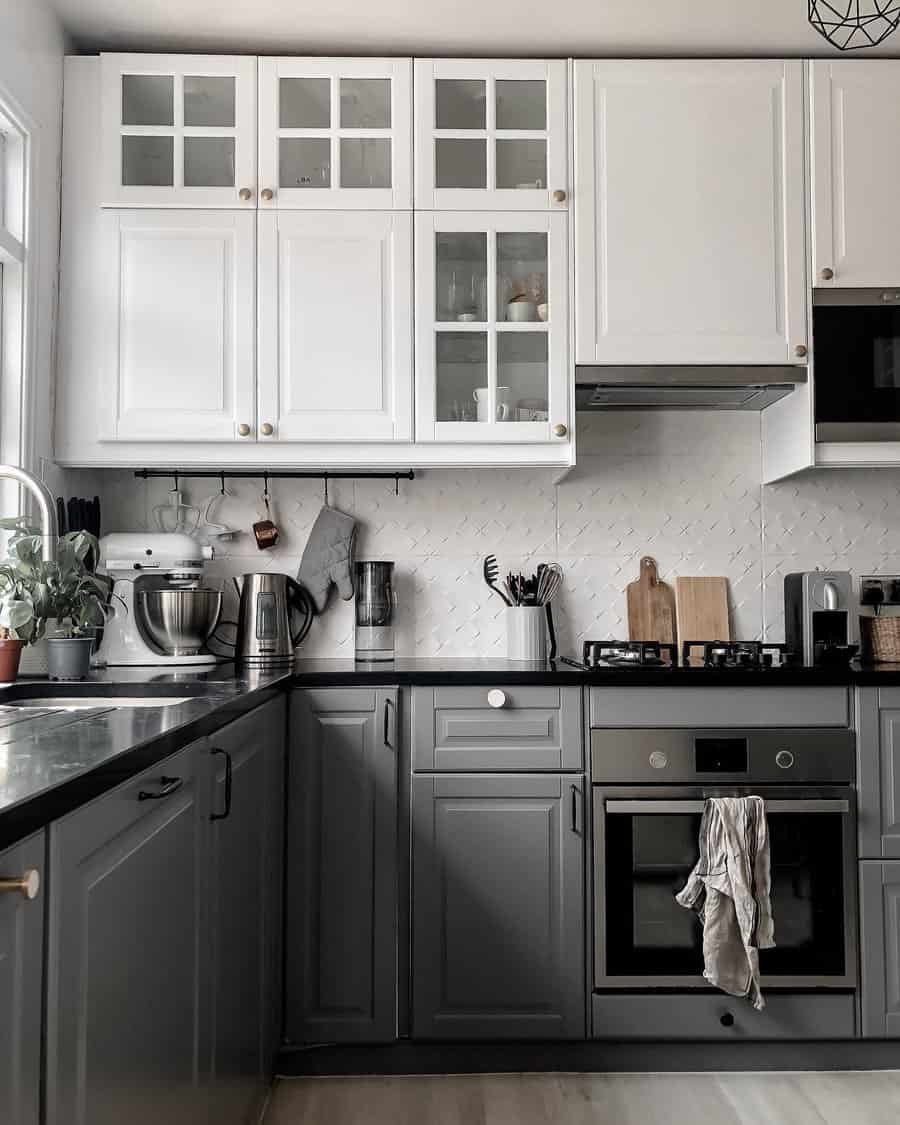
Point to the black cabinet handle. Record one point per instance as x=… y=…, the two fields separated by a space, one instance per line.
x=726 y=1020
x=222 y=815
x=169 y=785
x=388 y=703
x=575 y=808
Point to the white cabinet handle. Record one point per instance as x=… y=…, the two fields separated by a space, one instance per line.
x=496 y=698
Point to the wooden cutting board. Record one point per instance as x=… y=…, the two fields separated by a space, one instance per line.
x=651 y=606
x=702 y=611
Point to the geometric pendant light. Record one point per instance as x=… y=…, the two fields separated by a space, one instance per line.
x=851 y=24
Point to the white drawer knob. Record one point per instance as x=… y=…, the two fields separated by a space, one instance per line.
x=497 y=698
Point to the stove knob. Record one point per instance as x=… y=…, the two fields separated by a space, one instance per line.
x=784 y=759
x=659 y=760
x=721 y=659
x=726 y=1019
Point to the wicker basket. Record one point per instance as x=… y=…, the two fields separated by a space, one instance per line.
x=879 y=640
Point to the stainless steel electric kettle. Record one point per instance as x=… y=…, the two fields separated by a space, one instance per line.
x=264 y=635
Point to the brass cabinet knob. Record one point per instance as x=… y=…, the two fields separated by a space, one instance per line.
x=243 y=429
x=826 y=274
x=28 y=886
x=267 y=194
x=801 y=350
x=559 y=430
x=267 y=429
x=559 y=196
x=245 y=193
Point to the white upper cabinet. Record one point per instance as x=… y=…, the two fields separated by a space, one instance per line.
x=855 y=170
x=335 y=326
x=491 y=134
x=492 y=327
x=335 y=133
x=689 y=201
x=178 y=325
x=178 y=131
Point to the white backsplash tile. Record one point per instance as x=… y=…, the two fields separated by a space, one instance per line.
x=678 y=485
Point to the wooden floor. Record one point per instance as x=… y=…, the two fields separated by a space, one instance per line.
x=859 y=1098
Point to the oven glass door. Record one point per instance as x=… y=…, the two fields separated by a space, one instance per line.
x=857 y=367
x=648 y=849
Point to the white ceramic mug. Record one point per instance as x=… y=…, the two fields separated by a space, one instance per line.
x=519 y=311
x=480 y=394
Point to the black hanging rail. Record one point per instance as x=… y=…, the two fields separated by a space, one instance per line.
x=271 y=474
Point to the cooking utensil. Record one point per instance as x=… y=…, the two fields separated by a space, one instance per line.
x=61 y=519
x=651 y=606
x=264 y=531
x=549 y=581
x=491 y=573
x=268 y=603
x=702 y=611
x=180 y=621
x=551 y=655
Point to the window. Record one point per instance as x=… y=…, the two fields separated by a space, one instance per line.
x=14 y=158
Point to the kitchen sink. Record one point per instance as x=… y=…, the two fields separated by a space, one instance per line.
x=92 y=702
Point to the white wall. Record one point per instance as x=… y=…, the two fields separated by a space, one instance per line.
x=32 y=45
x=683 y=487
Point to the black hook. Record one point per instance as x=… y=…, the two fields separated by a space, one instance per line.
x=222 y=480
x=396 y=484
x=175 y=478
x=325 y=483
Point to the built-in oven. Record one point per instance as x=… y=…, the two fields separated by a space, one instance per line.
x=856 y=338
x=649 y=788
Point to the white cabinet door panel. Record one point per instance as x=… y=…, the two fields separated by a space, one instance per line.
x=179 y=327
x=689 y=245
x=335 y=133
x=335 y=327
x=855 y=170
x=178 y=130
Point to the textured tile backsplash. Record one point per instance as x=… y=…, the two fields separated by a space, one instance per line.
x=683 y=487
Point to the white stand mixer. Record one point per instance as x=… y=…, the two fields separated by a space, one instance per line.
x=159 y=612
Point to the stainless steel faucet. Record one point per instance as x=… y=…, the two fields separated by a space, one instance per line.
x=46 y=506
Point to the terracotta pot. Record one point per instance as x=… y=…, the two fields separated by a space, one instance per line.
x=10 y=654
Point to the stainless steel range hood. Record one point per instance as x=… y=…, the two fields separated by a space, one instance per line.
x=683 y=388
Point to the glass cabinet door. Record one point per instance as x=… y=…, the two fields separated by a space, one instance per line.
x=179 y=130
x=491 y=134
x=491 y=350
x=335 y=133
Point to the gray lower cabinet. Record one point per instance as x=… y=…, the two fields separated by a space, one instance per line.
x=341 y=867
x=880 y=946
x=126 y=1018
x=878 y=772
x=498 y=907
x=21 y=981
x=246 y=821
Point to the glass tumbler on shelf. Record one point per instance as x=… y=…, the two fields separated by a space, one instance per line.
x=375 y=604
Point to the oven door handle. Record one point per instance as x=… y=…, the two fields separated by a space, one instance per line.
x=662 y=808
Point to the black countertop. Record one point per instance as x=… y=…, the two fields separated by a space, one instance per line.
x=54 y=760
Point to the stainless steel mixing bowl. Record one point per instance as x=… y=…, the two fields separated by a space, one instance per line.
x=179 y=621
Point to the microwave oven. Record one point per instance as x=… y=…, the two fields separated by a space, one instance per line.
x=856 y=341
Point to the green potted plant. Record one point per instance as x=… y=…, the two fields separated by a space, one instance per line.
x=17 y=621
x=66 y=590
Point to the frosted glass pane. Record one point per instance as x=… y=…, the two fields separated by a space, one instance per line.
x=460 y=163
x=304 y=103
x=461 y=376
x=365 y=162
x=148 y=99
x=521 y=105
x=522 y=276
x=304 y=162
x=148 y=161
x=365 y=103
x=523 y=375
x=521 y=164
x=209 y=161
x=209 y=101
x=460 y=284
x=460 y=103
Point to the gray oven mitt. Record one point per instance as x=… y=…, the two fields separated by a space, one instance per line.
x=328 y=557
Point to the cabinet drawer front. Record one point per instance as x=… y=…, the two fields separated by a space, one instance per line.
x=720 y=707
x=534 y=728
x=700 y=1017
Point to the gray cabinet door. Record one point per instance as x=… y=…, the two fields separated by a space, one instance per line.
x=244 y=879
x=125 y=1009
x=878 y=772
x=341 y=882
x=498 y=907
x=880 y=945
x=21 y=985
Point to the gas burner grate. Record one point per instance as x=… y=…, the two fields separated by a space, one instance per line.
x=629 y=654
x=734 y=654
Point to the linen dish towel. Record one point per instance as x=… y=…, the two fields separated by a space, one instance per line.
x=729 y=889
x=328 y=557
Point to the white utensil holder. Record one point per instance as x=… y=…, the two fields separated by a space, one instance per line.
x=526 y=632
